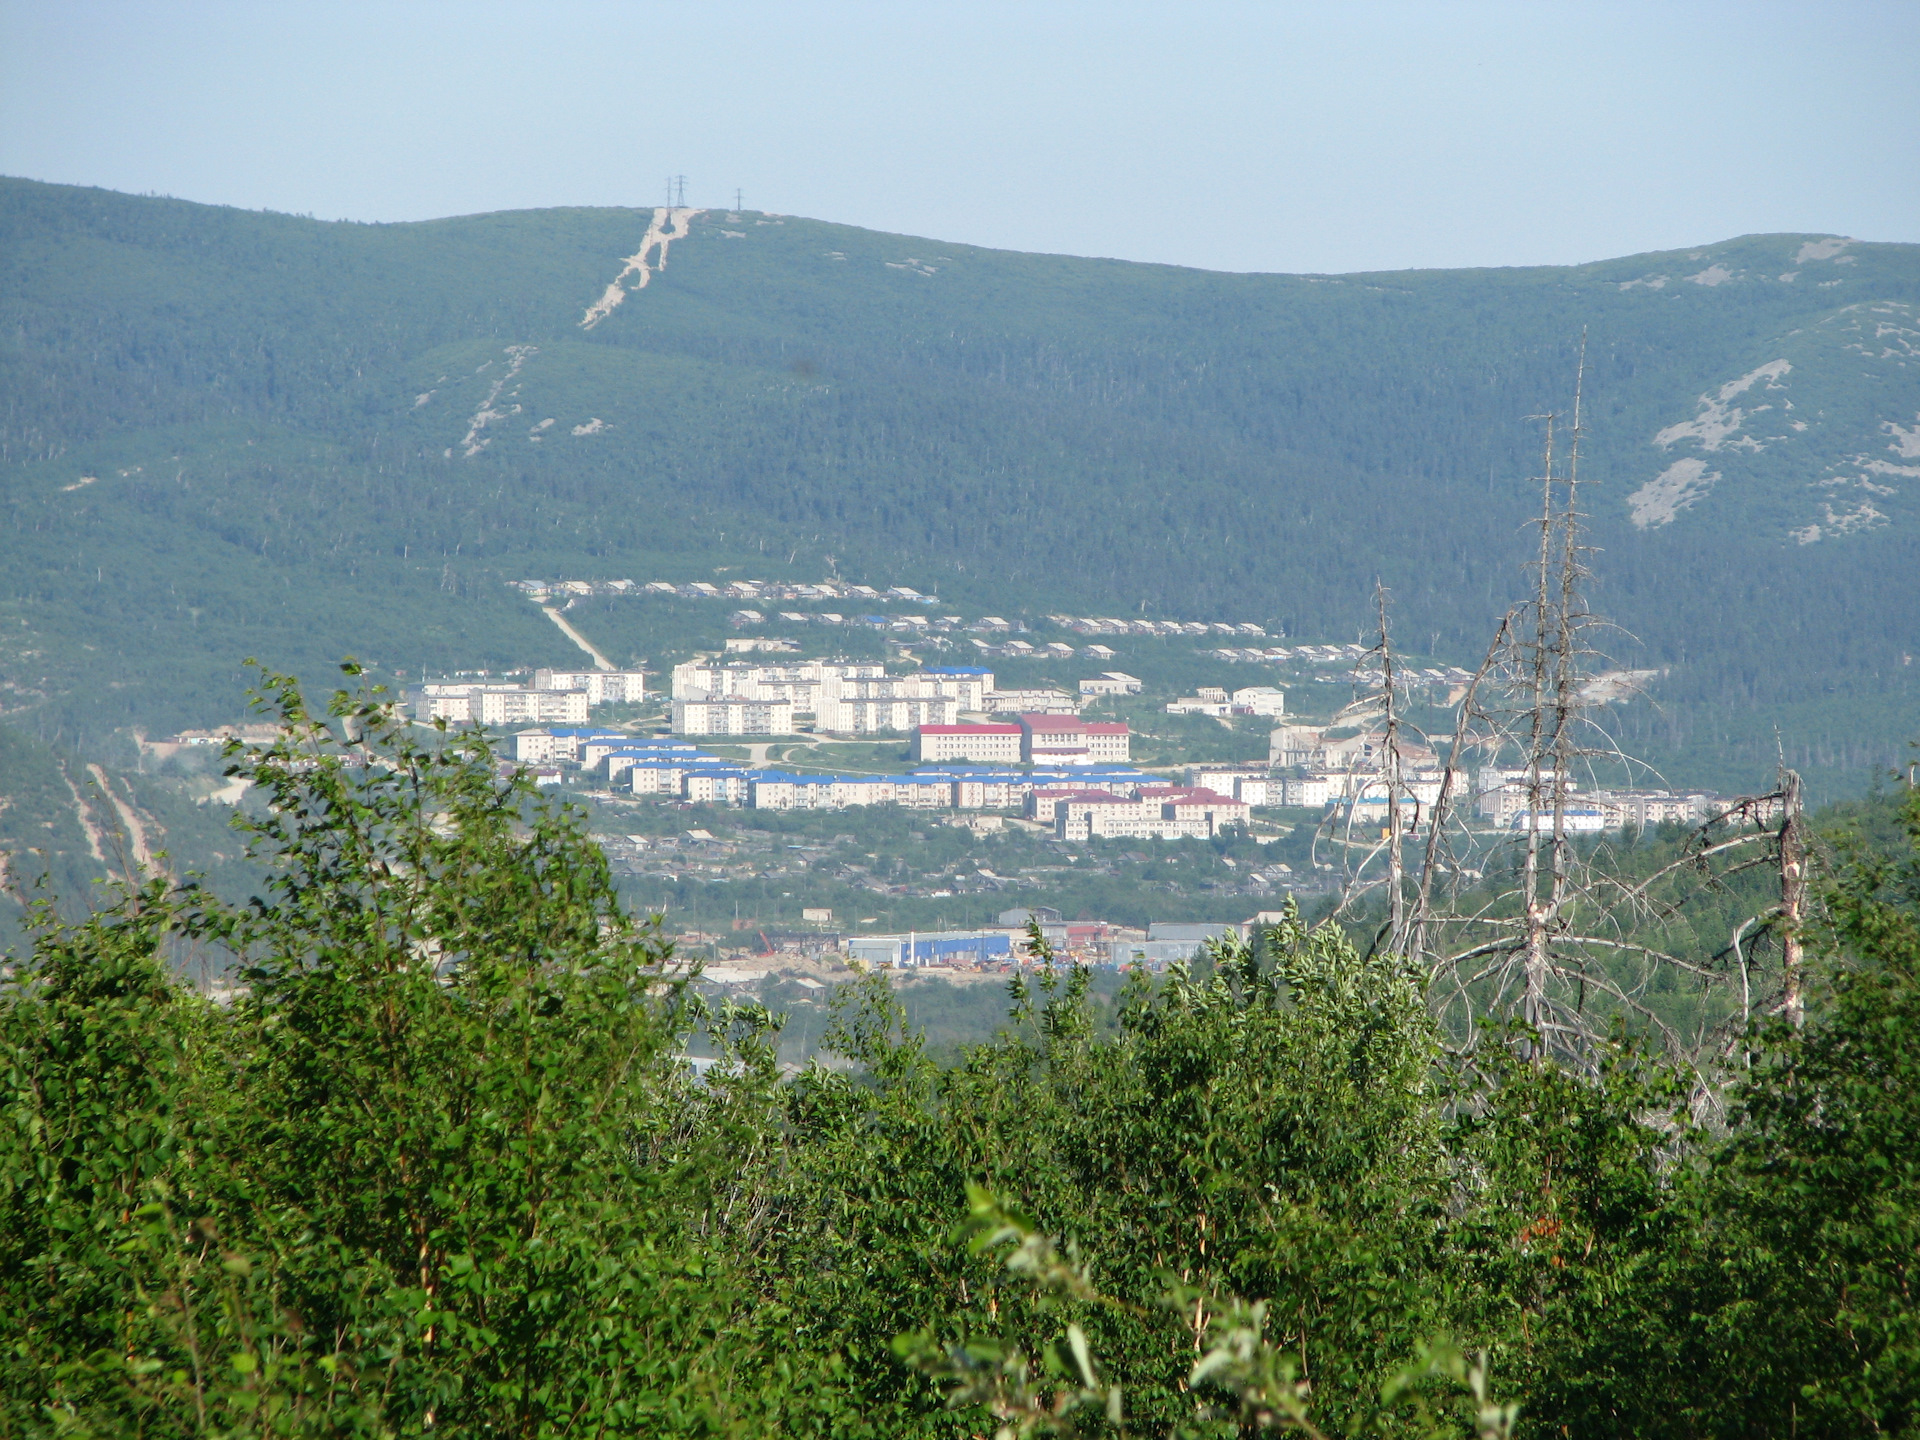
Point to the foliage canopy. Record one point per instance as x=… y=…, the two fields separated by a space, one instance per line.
x=436 y=1164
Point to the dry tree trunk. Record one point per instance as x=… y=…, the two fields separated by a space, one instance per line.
x=1536 y=915
x=1793 y=894
x=1390 y=764
x=1442 y=809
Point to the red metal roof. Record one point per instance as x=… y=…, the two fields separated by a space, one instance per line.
x=1055 y=724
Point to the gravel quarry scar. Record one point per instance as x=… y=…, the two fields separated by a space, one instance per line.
x=668 y=225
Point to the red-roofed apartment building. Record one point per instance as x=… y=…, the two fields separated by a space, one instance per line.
x=992 y=744
x=1069 y=740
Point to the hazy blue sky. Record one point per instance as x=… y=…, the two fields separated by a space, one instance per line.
x=1334 y=136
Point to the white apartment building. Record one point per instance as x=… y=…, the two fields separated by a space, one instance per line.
x=539 y=745
x=1251 y=786
x=806 y=686
x=1651 y=807
x=1420 y=787
x=1313 y=792
x=602 y=687
x=733 y=717
x=1297 y=745
x=531 y=707
x=1252 y=789
x=455 y=701
x=875 y=714
x=1503 y=794
x=969 y=684
x=454 y=709
x=535 y=746
x=660 y=777
x=1104 y=817
x=717 y=787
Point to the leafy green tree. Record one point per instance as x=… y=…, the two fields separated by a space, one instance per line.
x=432 y=1164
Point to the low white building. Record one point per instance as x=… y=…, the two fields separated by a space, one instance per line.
x=1030 y=702
x=1259 y=700
x=1111 y=682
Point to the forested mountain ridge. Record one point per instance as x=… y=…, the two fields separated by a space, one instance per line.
x=227 y=433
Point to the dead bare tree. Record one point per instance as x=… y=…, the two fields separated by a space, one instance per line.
x=1580 y=934
x=1793 y=896
x=1569 y=930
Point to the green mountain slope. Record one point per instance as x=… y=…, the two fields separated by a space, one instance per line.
x=225 y=433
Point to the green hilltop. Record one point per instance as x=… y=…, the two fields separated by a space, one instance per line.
x=228 y=433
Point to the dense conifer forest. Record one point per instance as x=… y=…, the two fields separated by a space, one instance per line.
x=226 y=434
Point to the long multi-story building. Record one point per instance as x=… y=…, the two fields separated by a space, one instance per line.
x=531 y=707
x=1653 y=807
x=712 y=786
x=556 y=697
x=805 y=683
x=602 y=687
x=862 y=705
x=1183 y=803
x=848 y=697
x=987 y=744
x=1155 y=812
x=664 y=776
x=733 y=717
x=896 y=714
